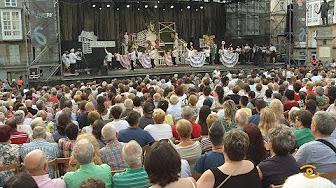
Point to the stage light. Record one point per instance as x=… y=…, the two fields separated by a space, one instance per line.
x=118 y=8
x=197 y=9
x=188 y=7
x=181 y=10
x=100 y=8
x=158 y=1
x=128 y=6
x=138 y=8
x=155 y=6
x=146 y=6
x=93 y=6
x=108 y=6
x=172 y=6
x=164 y=9
x=201 y=7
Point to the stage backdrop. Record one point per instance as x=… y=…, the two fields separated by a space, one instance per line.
x=111 y=24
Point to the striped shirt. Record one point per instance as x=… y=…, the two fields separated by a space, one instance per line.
x=190 y=153
x=135 y=178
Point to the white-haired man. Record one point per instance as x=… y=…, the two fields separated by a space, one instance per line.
x=135 y=175
x=83 y=152
x=111 y=152
x=322 y=151
x=241 y=118
x=36 y=163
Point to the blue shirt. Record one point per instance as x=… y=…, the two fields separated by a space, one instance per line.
x=209 y=160
x=137 y=134
x=50 y=149
x=255 y=119
x=319 y=155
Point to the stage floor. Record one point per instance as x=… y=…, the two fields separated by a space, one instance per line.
x=141 y=72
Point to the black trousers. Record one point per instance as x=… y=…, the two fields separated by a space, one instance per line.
x=72 y=68
x=132 y=65
x=152 y=62
x=174 y=60
x=109 y=65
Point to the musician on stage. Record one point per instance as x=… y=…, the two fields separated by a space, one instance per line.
x=65 y=61
x=239 y=51
x=108 y=58
x=273 y=51
x=247 y=53
x=80 y=62
x=73 y=60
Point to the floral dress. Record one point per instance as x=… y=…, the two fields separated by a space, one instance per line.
x=9 y=154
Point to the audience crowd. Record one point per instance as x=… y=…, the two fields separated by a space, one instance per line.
x=236 y=129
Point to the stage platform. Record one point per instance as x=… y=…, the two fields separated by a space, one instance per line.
x=162 y=70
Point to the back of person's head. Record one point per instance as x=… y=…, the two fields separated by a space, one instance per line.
x=148 y=108
x=187 y=113
x=260 y=104
x=230 y=109
x=128 y=104
x=71 y=131
x=236 y=143
x=192 y=100
x=277 y=107
x=37 y=122
x=5 y=133
x=241 y=117
x=257 y=151
x=277 y=96
x=267 y=119
x=19 y=116
x=12 y=123
x=292 y=114
x=163 y=105
x=244 y=101
x=216 y=133
x=39 y=132
x=207 y=90
x=203 y=115
x=36 y=163
x=93 y=183
x=21 y=180
x=162 y=155
x=109 y=133
x=132 y=153
x=133 y=118
x=137 y=101
x=173 y=99
x=184 y=128
x=323 y=122
x=93 y=116
x=305 y=117
x=311 y=106
x=212 y=118
x=83 y=151
x=159 y=116
x=289 y=94
x=302 y=181
x=97 y=127
x=282 y=139
x=268 y=93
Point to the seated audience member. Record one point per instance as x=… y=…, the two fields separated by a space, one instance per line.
x=303 y=133
x=159 y=130
x=321 y=99
x=290 y=101
x=256 y=151
x=320 y=152
x=111 y=153
x=243 y=105
x=83 y=152
x=162 y=155
x=135 y=175
x=36 y=163
x=292 y=116
x=19 y=116
x=21 y=180
x=9 y=153
x=174 y=107
x=215 y=157
x=82 y=115
x=267 y=120
x=97 y=159
x=278 y=109
x=39 y=142
x=147 y=117
x=92 y=183
x=96 y=132
x=281 y=164
x=259 y=104
x=63 y=120
x=235 y=172
x=188 y=149
x=163 y=105
x=228 y=120
x=311 y=106
x=301 y=181
x=332 y=108
x=206 y=144
x=39 y=122
x=137 y=105
x=92 y=117
x=134 y=132
x=189 y=114
x=204 y=112
x=118 y=123
x=16 y=136
x=241 y=118
x=65 y=145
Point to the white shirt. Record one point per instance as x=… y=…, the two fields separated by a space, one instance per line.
x=272 y=48
x=87 y=129
x=316 y=78
x=159 y=131
x=119 y=124
x=185 y=169
x=25 y=128
x=109 y=56
x=72 y=58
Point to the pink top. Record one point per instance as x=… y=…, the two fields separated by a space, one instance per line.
x=45 y=182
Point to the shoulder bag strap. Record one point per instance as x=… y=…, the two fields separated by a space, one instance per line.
x=327 y=144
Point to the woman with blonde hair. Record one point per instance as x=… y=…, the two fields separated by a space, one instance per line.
x=228 y=120
x=278 y=109
x=73 y=165
x=267 y=120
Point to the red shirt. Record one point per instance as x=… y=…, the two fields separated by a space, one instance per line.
x=18 y=137
x=310 y=92
x=53 y=99
x=289 y=104
x=196 y=132
x=297 y=97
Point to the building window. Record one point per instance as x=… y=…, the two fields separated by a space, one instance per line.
x=11 y=24
x=10 y=3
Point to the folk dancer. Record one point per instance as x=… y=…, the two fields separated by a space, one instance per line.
x=79 y=55
x=207 y=52
x=175 y=55
x=108 y=57
x=273 y=51
x=65 y=61
x=247 y=53
x=133 y=58
x=73 y=60
x=152 y=53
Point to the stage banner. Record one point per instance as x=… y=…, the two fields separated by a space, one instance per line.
x=43 y=18
x=197 y=59
x=299 y=23
x=228 y=58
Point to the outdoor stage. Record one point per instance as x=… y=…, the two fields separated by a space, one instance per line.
x=159 y=71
